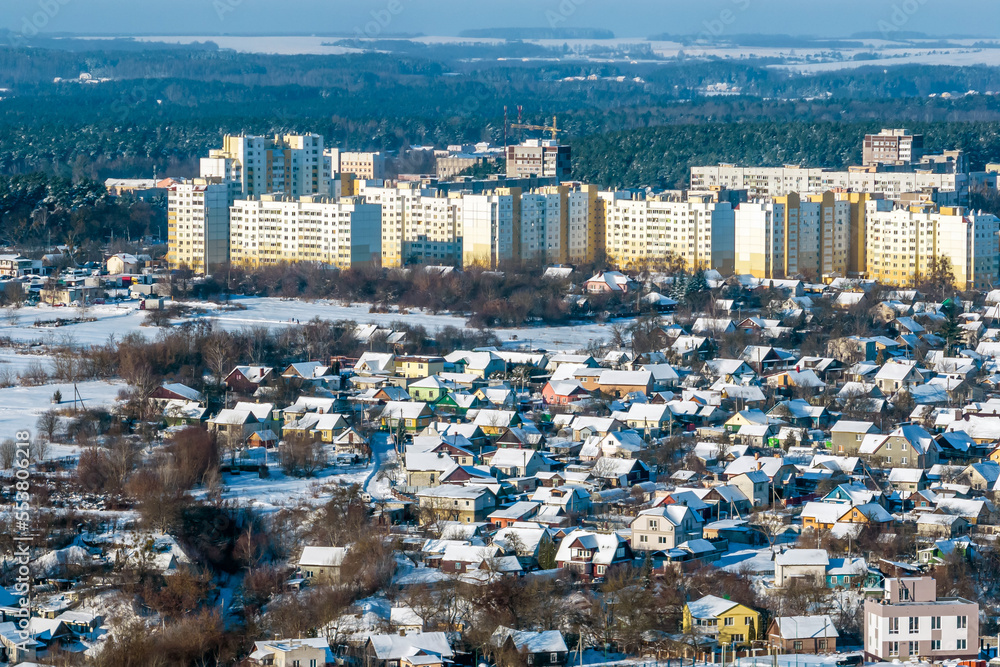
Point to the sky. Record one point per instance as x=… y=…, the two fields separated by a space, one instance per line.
x=626 y=18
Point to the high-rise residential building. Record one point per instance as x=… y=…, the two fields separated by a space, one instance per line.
x=901 y=244
x=488 y=227
x=198 y=225
x=364 y=166
x=539 y=157
x=944 y=188
x=643 y=230
x=893 y=147
x=816 y=235
x=761 y=227
x=272 y=229
x=291 y=164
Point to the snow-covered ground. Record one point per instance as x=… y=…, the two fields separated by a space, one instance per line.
x=119 y=319
x=20 y=407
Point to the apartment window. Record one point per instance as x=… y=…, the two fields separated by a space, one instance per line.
x=961 y=644
x=962 y=622
x=904 y=593
x=893 y=626
x=935 y=644
x=914 y=624
x=893 y=648
x=935 y=622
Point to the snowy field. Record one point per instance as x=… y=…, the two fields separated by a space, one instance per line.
x=281 y=491
x=120 y=319
x=20 y=407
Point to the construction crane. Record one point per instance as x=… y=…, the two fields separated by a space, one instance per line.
x=553 y=128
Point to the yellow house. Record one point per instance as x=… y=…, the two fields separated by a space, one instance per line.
x=723 y=620
x=419 y=367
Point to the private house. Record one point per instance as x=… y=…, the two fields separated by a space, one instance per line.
x=184 y=413
x=481 y=364
x=411 y=417
x=620 y=472
x=721 y=620
x=521 y=511
x=610 y=281
x=321 y=564
x=416 y=367
x=246 y=380
x=449 y=502
x=896 y=375
x=429 y=389
x=665 y=527
x=517 y=462
x=495 y=422
x=909 y=446
x=941 y=526
x=234 y=426
x=415 y=649
x=846 y=436
x=425 y=469
x=805 y=565
x=911 y=620
x=307 y=371
x=175 y=391
x=803 y=634
x=311 y=652
x=591 y=555
x=755 y=485
x=537 y=649
x=563 y=392
x=376 y=363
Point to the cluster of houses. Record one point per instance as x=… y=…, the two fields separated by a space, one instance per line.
x=57 y=280
x=515 y=461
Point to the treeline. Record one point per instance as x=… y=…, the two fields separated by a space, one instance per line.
x=38 y=210
x=490 y=299
x=662 y=156
x=165 y=108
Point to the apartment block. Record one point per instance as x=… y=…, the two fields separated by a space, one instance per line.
x=363 y=165
x=894 y=147
x=198 y=225
x=902 y=242
x=640 y=230
x=539 y=157
x=272 y=229
x=291 y=164
x=946 y=189
x=488 y=227
x=911 y=621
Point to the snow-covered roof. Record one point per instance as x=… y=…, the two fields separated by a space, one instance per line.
x=806 y=627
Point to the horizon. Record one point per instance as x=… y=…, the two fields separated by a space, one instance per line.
x=936 y=19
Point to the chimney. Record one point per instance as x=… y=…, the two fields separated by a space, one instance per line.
x=756 y=456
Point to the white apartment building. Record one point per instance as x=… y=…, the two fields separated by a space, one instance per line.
x=254 y=165
x=272 y=229
x=418 y=225
x=198 y=225
x=648 y=230
x=760 y=228
x=952 y=189
x=903 y=241
x=364 y=165
x=488 y=222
